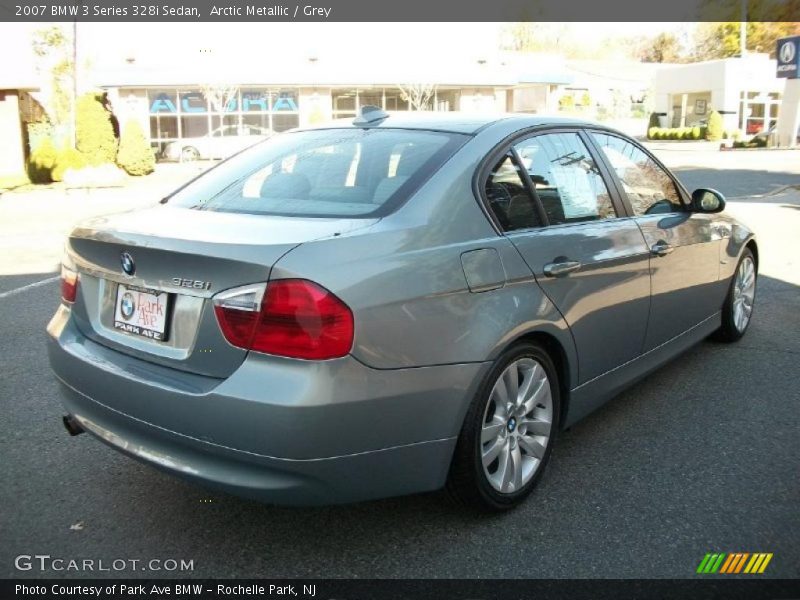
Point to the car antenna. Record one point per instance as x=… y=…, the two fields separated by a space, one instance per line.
x=370 y=115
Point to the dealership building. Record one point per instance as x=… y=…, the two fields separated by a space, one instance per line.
x=175 y=103
x=746 y=91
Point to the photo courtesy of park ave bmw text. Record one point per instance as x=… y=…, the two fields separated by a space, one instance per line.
x=344 y=299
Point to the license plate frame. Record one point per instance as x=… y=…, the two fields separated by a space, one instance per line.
x=145 y=313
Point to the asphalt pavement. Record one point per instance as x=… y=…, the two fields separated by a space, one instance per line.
x=702 y=456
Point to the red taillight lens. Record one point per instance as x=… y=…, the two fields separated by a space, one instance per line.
x=69 y=284
x=297 y=319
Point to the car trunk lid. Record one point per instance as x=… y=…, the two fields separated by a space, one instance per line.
x=179 y=258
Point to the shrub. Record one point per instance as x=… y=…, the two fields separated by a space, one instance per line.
x=714 y=131
x=135 y=154
x=42 y=160
x=94 y=130
x=566 y=102
x=68 y=158
x=651 y=132
x=696 y=133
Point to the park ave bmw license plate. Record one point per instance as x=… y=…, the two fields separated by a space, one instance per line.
x=141 y=312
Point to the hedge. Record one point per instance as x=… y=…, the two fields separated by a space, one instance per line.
x=676 y=133
x=41 y=162
x=94 y=130
x=715 y=126
x=135 y=154
x=68 y=158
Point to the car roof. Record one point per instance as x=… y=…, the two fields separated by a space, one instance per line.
x=455 y=122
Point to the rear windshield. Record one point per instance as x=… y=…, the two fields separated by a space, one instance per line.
x=322 y=173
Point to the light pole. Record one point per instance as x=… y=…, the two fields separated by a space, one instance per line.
x=74 y=128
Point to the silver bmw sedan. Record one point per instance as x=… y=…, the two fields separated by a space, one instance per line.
x=391 y=305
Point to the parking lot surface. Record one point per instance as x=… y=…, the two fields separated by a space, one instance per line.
x=699 y=457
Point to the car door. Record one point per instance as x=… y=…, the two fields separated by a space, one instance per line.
x=684 y=245
x=549 y=195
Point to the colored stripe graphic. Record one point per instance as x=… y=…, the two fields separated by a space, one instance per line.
x=740 y=564
x=764 y=564
x=701 y=567
x=727 y=564
x=734 y=562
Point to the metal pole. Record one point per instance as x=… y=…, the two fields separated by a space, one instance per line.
x=73 y=133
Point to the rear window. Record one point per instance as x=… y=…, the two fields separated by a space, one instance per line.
x=323 y=173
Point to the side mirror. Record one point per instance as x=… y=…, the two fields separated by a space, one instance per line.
x=706 y=200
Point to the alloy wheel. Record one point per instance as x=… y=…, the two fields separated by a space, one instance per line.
x=744 y=290
x=517 y=425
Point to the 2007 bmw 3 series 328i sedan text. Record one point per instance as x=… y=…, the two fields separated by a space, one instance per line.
x=391 y=305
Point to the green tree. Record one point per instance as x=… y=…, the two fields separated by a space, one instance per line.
x=721 y=40
x=94 y=132
x=664 y=48
x=52 y=49
x=135 y=154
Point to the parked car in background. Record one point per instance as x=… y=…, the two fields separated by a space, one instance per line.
x=392 y=305
x=218 y=144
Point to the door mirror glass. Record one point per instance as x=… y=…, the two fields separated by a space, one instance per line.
x=708 y=201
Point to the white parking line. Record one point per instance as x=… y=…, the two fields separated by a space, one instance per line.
x=36 y=284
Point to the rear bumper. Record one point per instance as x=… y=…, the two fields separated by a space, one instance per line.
x=283 y=431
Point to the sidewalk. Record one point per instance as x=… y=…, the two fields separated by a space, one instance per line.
x=35 y=221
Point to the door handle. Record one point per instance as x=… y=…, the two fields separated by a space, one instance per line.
x=661 y=248
x=557 y=269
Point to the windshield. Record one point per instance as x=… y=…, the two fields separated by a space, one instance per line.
x=322 y=173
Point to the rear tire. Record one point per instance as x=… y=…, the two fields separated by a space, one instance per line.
x=737 y=311
x=508 y=432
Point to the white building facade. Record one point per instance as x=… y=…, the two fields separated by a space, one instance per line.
x=744 y=90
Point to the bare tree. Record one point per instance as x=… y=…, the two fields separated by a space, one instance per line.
x=219 y=95
x=418 y=95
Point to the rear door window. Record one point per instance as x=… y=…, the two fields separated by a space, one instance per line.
x=567 y=181
x=323 y=173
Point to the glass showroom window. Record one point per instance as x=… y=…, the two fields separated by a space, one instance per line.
x=187 y=113
x=758 y=111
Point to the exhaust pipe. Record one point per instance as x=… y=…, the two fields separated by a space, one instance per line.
x=71 y=425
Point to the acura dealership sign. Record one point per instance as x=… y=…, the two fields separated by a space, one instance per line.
x=789 y=57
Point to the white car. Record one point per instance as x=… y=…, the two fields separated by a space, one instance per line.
x=220 y=143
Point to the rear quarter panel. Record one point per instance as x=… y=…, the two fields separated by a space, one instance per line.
x=404 y=281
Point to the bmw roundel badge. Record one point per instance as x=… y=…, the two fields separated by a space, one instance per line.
x=128 y=266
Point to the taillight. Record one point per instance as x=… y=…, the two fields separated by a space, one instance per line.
x=69 y=284
x=292 y=317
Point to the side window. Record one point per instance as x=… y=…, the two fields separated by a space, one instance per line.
x=508 y=198
x=648 y=187
x=567 y=180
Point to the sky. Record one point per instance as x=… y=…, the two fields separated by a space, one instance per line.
x=109 y=44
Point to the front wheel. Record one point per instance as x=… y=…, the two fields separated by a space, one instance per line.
x=738 y=308
x=508 y=433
